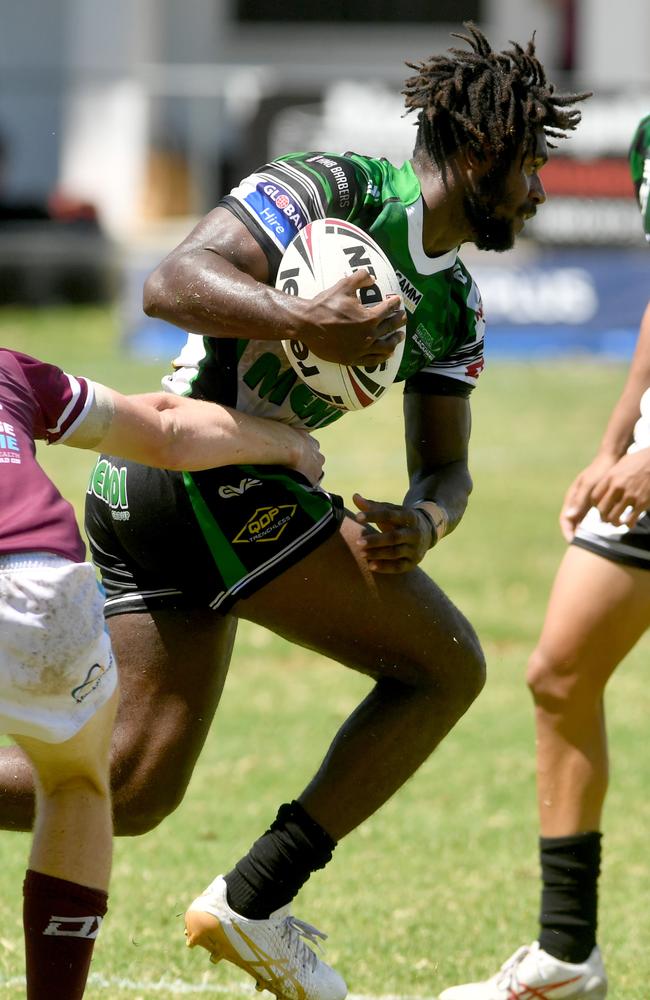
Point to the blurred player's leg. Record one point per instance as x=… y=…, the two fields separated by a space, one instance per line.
x=598 y=609
x=66 y=886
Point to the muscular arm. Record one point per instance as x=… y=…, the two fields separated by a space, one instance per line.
x=215 y=284
x=618 y=434
x=173 y=432
x=437 y=437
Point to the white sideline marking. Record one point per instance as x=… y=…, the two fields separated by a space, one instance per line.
x=178 y=986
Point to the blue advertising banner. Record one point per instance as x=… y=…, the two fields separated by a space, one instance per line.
x=565 y=302
x=558 y=303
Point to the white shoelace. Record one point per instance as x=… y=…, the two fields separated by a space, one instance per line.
x=298 y=929
x=506 y=974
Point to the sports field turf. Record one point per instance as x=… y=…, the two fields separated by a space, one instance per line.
x=441 y=885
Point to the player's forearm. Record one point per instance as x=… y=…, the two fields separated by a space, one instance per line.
x=192 y=441
x=449 y=486
x=173 y=432
x=618 y=433
x=190 y=434
x=203 y=293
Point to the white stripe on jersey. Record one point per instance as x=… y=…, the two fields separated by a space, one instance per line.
x=304 y=179
x=81 y=416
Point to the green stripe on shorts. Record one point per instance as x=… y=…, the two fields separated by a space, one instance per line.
x=228 y=564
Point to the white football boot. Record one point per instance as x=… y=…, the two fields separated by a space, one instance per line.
x=272 y=951
x=532 y=974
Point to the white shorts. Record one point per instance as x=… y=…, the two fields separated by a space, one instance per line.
x=629 y=546
x=56 y=663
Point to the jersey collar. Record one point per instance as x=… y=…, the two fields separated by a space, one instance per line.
x=423 y=263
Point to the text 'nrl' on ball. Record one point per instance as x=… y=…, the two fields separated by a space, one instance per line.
x=321 y=254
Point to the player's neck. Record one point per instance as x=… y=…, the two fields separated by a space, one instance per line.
x=444 y=226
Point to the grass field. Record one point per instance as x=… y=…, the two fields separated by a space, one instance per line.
x=442 y=884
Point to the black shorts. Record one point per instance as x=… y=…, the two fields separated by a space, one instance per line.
x=630 y=547
x=203 y=539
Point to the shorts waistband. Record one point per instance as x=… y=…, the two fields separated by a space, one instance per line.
x=31 y=560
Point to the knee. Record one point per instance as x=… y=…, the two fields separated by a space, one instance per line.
x=551 y=681
x=458 y=671
x=471 y=670
x=139 y=807
x=145 y=790
x=67 y=783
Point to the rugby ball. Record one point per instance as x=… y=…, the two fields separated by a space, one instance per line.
x=322 y=253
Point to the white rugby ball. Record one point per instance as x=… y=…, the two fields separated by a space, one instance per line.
x=322 y=253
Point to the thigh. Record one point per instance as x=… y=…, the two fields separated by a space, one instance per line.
x=597 y=611
x=172 y=667
x=380 y=624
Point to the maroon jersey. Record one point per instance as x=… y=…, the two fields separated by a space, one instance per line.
x=37 y=401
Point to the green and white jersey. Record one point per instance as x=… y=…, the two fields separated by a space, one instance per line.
x=640 y=169
x=443 y=351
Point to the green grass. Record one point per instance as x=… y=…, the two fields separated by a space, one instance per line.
x=442 y=884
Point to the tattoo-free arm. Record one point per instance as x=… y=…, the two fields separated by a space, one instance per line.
x=437 y=441
x=611 y=475
x=215 y=284
x=437 y=436
x=173 y=432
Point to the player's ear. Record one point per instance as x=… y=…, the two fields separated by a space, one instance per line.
x=478 y=161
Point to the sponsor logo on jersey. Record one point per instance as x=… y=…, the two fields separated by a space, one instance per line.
x=429 y=343
x=338 y=176
x=79 y=927
x=9 y=447
x=266 y=524
x=277 y=211
x=108 y=484
x=226 y=492
x=412 y=297
x=92 y=681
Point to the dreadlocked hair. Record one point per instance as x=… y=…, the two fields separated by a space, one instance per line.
x=485 y=100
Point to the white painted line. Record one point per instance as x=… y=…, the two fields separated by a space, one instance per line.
x=180 y=987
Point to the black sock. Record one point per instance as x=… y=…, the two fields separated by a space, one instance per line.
x=279 y=863
x=569 y=911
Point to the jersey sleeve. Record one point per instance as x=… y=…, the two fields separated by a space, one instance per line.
x=279 y=199
x=62 y=401
x=456 y=372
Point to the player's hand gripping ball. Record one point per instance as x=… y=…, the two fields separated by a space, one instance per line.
x=321 y=254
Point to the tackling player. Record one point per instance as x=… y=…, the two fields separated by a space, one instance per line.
x=263 y=547
x=599 y=608
x=58 y=679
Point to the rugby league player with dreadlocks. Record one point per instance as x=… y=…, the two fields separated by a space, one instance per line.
x=176 y=572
